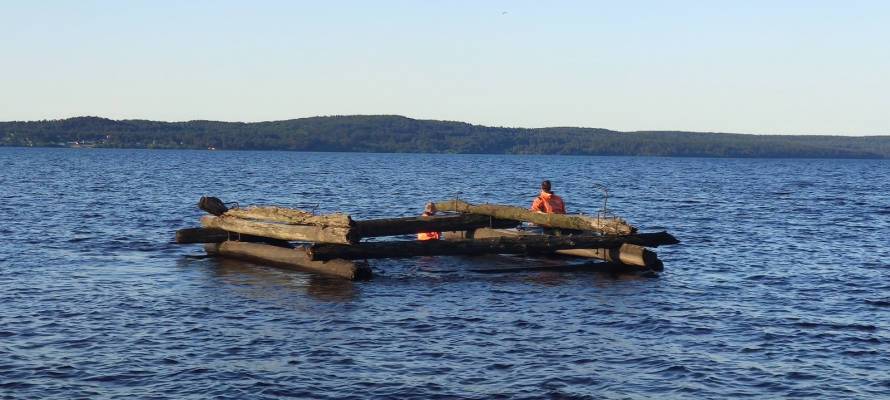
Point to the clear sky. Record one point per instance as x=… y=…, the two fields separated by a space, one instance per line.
x=730 y=66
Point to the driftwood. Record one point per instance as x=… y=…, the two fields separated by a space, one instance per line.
x=628 y=254
x=438 y=223
x=291 y=258
x=531 y=244
x=213 y=235
x=653 y=239
x=611 y=225
x=305 y=233
x=290 y=216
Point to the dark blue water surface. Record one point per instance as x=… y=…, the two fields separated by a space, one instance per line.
x=780 y=288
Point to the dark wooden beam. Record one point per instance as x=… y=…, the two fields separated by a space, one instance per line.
x=437 y=223
x=213 y=235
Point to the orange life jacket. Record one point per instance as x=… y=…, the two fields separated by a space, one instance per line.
x=549 y=203
x=428 y=236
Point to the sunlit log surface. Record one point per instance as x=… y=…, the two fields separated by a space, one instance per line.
x=606 y=225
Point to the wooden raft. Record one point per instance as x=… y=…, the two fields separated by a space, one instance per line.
x=263 y=234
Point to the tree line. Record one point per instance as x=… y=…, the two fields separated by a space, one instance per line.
x=397 y=134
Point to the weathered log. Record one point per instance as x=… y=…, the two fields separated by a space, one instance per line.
x=610 y=225
x=290 y=258
x=305 y=233
x=628 y=254
x=213 y=235
x=531 y=244
x=290 y=216
x=438 y=223
x=653 y=239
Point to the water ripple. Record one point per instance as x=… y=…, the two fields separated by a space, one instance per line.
x=779 y=289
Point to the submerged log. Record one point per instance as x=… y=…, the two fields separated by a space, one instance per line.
x=213 y=235
x=305 y=233
x=438 y=223
x=290 y=258
x=611 y=225
x=290 y=216
x=530 y=244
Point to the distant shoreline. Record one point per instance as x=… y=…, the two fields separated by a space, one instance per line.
x=445 y=154
x=382 y=134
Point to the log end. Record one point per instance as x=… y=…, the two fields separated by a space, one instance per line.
x=668 y=239
x=362 y=272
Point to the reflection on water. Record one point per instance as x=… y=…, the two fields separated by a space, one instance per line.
x=268 y=281
x=260 y=280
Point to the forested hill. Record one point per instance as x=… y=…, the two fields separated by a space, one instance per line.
x=386 y=133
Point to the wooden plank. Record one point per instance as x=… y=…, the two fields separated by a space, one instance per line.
x=531 y=244
x=437 y=223
x=290 y=216
x=304 y=233
x=611 y=226
x=289 y=258
x=201 y=235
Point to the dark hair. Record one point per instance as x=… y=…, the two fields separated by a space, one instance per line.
x=545 y=186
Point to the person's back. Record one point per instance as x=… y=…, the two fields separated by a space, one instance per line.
x=548 y=202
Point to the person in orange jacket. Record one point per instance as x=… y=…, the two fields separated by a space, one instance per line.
x=548 y=202
x=430 y=210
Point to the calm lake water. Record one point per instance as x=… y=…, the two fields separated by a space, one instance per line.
x=781 y=287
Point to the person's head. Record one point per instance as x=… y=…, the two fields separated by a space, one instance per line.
x=545 y=186
x=430 y=209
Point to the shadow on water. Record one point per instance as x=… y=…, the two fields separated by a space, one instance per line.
x=554 y=266
x=503 y=268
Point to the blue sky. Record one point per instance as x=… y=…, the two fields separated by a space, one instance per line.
x=747 y=66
